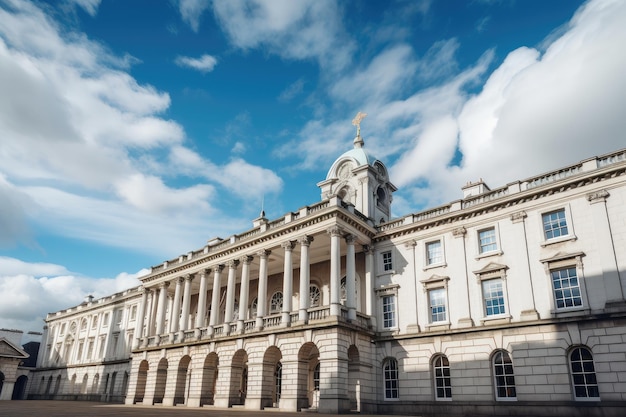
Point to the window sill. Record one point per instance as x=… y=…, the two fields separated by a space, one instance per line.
x=443 y=399
x=437 y=265
x=559 y=239
x=570 y=312
x=392 y=399
x=506 y=399
x=587 y=399
x=488 y=254
x=385 y=273
x=499 y=319
x=438 y=326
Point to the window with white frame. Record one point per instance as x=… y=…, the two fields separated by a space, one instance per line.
x=504 y=378
x=487 y=240
x=554 y=224
x=442 y=380
x=493 y=297
x=315 y=296
x=434 y=252
x=437 y=305
x=133 y=312
x=387 y=261
x=94 y=322
x=583 y=374
x=390 y=376
x=566 y=288
x=389 y=311
x=276 y=302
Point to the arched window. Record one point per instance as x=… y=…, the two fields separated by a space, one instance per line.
x=504 y=378
x=315 y=296
x=390 y=377
x=316 y=377
x=583 y=374
x=276 y=303
x=278 y=378
x=441 y=374
x=253 y=308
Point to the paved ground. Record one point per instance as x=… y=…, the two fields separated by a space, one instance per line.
x=90 y=409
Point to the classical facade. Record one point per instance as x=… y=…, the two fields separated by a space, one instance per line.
x=506 y=298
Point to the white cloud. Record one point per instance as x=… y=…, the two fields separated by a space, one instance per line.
x=204 y=64
x=191 y=11
x=28 y=291
x=292 y=90
x=307 y=29
x=90 y=6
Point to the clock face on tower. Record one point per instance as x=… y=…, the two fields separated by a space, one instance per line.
x=344 y=170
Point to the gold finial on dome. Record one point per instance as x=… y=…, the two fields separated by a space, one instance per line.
x=357 y=122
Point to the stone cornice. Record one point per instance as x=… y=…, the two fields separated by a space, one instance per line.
x=506 y=201
x=341 y=215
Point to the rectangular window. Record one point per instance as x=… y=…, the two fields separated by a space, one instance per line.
x=566 y=288
x=79 y=355
x=62 y=332
x=389 y=311
x=90 y=349
x=387 y=262
x=101 y=348
x=105 y=320
x=434 y=252
x=493 y=296
x=437 y=305
x=487 y=240
x=554 y=224
x=133 y=312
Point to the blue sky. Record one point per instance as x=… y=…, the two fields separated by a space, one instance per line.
x=134 y=131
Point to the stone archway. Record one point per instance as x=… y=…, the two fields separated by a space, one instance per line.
x=308 y=386
x=272 y=377
x=239 y=378
x=354 y=378
x=161 y=381
x=182 y=380
x=209 y=379
x=142 y=378
x=19 y=389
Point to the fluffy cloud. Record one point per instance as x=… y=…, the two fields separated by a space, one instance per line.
x=307 y=29
x=191 y=11
x=85 y=146
x=28 y=291
x=204 y=64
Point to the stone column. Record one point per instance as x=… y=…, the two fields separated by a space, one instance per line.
x=335 y=270
x=215 y=298
x=175 y=311
x=230 y=294
x=261 y=307
x=369 y=284
x=244 y=289
x=184 y=320
x=305 y=277
x=160 y=319
x=201 y=311
x=151 y=312
x=287 y=282
x=140 y=318
x=350 y=277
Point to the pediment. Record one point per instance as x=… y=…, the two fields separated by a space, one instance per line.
x=491 y=267
x=9 y=350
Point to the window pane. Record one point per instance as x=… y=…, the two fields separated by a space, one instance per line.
x=487 y=240
x=554 y=224
x=493 y=297
x=434 y=253
x=583 y=373
x=566 y=288
x=387 y=262
x=389 y=311
x=437 y=305
x=441 y=372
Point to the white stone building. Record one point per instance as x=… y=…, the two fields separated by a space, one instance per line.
x=512 y=297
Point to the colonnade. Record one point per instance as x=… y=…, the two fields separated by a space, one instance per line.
x=154 y=300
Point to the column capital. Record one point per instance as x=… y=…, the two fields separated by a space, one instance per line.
x=598 y=196
x=519 y=216
x=189 y=277
x=305 y=240
x=411 y=243
x=246 y=259
x=219 y=268
x=335 y=231
x=288 y=245
x=350 y=239
x=368 y=249
x=164 y=284
x=263 y=253
x=233 y=263
x=142 y=289
x=459 y=232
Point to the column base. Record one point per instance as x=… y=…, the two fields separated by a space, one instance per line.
x=193 y=402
